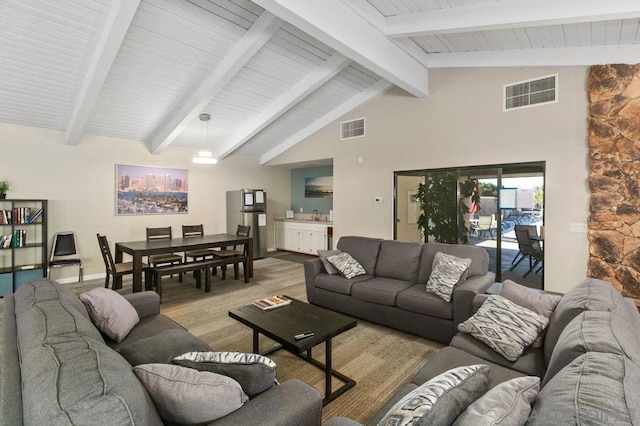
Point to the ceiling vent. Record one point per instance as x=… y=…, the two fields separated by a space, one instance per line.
x=524 y=94
x=352 y=129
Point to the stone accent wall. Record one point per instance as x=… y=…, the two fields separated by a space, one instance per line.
x=614 y=178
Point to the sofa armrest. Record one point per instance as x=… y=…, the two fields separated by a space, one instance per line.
x=463 y=296
x=146 y=303
x=292 y=403
x=312 y=267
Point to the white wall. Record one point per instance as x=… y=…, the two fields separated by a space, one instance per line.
x=462 y=124
x=79 y=182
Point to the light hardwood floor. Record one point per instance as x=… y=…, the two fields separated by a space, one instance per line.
x=378 y=358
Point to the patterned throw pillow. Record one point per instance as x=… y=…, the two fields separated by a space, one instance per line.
x=441 y=399
x=448 y=272
x=347 y=265
x=255 y=373
x=509 y=403
x=505 y=327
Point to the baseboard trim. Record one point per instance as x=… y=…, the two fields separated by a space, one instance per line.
x=75 y=279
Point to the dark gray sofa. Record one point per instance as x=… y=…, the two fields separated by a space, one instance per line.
x=589 y=363
x=393 y=293
x=59 y=369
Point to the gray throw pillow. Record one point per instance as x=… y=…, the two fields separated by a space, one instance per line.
x=347 y=265
x=162 y=347
x=507 y=404
x=540 y=303
x=255 y=373
x=187 y=396
x=110 y=312
x=447 y=272
x=505 y=327
x=328 y=266
x=441 y=399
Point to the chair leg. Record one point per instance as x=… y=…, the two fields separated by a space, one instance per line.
x=198 y=276
x=148 y=280
x=106 y=281
x=224 y=272
x=207 y=280
x=157 y=278
x=81 y=274
x=517 y=263
x=236 y=271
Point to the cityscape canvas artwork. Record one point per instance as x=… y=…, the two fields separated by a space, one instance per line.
x=318 y=187
x=151 y=190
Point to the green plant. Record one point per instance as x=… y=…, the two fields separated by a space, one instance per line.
x=443 y=210
x=4 y=186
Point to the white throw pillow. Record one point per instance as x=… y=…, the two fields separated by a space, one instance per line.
x=110 y=312
x=347 y=265
x=187 y=396
x=448 y=271
x=440 y=400
x=505 y=327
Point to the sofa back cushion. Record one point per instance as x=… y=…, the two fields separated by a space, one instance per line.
x=595 y=389
x=479 y=258
x=595 y=331
x=399 y=260
x=363 y=249
x=590 y=295
x=69 y=376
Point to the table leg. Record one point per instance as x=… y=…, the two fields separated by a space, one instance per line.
x=117 y=279
x=137 y=272
x=327 y=371
x=249 y=247
x=256 y=342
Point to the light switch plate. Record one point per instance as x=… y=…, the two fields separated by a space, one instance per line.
x=579 y=227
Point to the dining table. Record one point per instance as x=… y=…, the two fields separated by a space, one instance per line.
x=139 y=249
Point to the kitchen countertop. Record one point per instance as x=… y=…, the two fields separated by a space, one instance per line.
x=317 y=222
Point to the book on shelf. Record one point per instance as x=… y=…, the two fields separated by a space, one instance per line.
x=271 y=302
x=35 y=216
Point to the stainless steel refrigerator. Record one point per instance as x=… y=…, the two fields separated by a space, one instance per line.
x=248 y=207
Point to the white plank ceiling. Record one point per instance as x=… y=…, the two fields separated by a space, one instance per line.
x=270 y=72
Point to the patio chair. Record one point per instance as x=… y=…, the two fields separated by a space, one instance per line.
x=528 y=248
x=485 y=224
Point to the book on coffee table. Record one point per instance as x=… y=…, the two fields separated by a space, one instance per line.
x=271 y=302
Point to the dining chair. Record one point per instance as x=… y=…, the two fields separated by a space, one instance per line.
x=195 y=231
x=119 y=269
x=528 y=248
x=157 y=234
x=64 y=253
x=239 y=250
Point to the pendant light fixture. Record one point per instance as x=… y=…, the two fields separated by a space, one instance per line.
x=205 y=156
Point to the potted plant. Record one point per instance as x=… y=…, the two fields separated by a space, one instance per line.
x=5 y=184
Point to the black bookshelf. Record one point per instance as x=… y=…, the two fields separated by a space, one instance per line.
x=24 y=258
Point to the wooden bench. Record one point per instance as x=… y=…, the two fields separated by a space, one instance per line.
x=197 y=267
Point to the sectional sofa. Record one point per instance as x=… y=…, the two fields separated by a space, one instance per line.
x=392 y=292
x=57 y=368
x=589 y=365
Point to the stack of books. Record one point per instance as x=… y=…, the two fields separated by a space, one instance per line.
x=271 y=302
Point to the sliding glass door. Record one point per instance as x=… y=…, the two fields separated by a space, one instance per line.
x=492 y=207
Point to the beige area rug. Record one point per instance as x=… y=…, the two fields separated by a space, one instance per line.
x=380 y=359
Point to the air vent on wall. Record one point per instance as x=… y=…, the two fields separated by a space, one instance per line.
x=352 y=129
x=529 y=93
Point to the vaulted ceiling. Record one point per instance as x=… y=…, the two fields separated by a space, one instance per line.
x=270 y=72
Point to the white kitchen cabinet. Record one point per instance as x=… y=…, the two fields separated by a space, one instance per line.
x=281 y=235
x=301 y=237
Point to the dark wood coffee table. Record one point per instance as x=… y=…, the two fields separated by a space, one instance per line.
x=283 y=323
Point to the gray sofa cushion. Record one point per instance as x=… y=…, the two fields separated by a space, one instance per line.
x=596 y=331
x=450 y=357
x=479 y=258
x=338 y=283
x=530 y=362
x=399 y=260
x=416 y=299
x=382 y=291
x=161 y=348
x=596 y=388
x=73 y=377
x=590 y=295
x=364 y=249
x=146 y=327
